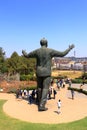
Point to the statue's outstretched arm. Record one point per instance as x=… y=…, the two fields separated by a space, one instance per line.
x=32 y=54
x=24 y=53
x=68 y=50
x=61 y=54
x=71 y=46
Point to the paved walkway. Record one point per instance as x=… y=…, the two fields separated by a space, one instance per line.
x=71 y=110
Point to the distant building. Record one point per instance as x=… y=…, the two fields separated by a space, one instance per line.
x=69 y=63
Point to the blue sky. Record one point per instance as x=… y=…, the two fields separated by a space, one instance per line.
x=23 y=23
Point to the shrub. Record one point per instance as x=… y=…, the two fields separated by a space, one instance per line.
x=27 y=77
x=84 y=75
x=29 y=87
x=78 y=90
x=77 y=80
x=12 y=90
x=59 y=77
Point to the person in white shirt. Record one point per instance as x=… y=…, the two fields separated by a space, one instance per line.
x=59 y=106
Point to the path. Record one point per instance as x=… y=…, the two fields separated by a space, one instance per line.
x=72 y=110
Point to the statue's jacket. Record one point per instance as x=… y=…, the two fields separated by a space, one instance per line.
x=43 y=57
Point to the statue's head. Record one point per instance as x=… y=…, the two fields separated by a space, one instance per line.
x=43 y=42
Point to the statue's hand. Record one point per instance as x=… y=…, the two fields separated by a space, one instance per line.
x=24 y=52
x=71 y=46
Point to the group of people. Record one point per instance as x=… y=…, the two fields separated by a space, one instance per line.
x=60 y=83
x=52 y=91
x=21 y=93
x=30 y=95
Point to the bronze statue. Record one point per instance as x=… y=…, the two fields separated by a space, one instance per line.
x=43 y=57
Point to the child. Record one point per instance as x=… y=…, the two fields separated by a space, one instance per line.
x=59 y=106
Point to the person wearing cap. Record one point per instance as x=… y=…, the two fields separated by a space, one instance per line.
x=43 y=57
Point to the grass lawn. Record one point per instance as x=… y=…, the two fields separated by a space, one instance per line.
x=70 y=74
x=9 y=123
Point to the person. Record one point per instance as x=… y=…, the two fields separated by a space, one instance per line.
x=59 y=106
x=30 y=99
x=49 y=93
x=83 y=81
x=72 y=93
x=33 y=94
x=70 y=82
x=55 y=92
x=43 y=57
x=58 y=84
x=52 y=91
x=17 y=93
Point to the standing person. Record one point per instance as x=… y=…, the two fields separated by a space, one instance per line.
x=55 y=93
x=49 y=93
x=83 y=81
x=17 y=93
x=72 y=93
x=58 y=84
x=43 y=57
x=70 y=82
x=59 y=106
x=30 y=98
x=52 y=90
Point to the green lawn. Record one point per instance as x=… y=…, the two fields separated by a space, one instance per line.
x=8 y=123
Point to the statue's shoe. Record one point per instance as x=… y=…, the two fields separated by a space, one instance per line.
x=42 y=109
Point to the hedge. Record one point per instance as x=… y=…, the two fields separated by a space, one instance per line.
x=78 y=90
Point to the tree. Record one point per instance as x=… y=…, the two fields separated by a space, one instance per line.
x=2 y=59
x=28 y=65
x=13 y=63
x=16 y=64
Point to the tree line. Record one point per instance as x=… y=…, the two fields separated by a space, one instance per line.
x=16 y=64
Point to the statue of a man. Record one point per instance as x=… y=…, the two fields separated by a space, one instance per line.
x=43 y=57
